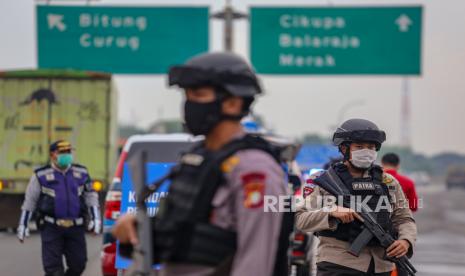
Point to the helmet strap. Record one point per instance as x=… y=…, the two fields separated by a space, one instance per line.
x=222 y=95
x=231 y=117
x=346 y=153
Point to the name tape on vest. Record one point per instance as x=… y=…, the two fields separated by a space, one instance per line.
x=360 y=186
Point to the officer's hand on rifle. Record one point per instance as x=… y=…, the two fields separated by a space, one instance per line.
x=398 y=248
x=125 y=229
x=345 y=215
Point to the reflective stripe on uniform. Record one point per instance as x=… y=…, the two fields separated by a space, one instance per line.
x=95 y=212
x=48 y=191
x=49 y=219
x=25 y=216
x=44 y=172
x=192 y=159
x=80 y=190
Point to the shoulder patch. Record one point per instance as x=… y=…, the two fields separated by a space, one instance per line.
x=50 y=176
x=308 y=188
x=387 y=178
x=309 y=185
x=229 y=164
x=253 y=185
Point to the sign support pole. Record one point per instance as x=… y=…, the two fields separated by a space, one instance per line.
x=405 y=113
x=228 y=14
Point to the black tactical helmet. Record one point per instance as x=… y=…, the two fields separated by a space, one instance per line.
x=226 y=71
x=359 y=130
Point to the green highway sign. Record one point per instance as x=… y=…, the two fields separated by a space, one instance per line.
x=127 y=40
x=336 y=40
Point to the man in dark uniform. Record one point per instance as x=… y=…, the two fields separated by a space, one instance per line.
x=213 y=222
x=336 y=226
x=62 y=195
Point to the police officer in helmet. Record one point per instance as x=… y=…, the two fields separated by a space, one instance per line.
x=358 y=141
x=212 y=222
x=61 y=194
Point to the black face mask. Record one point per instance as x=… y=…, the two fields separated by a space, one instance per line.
x=201 y=118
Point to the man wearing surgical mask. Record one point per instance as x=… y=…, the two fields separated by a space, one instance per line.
x=62 y=196
x=358 y=141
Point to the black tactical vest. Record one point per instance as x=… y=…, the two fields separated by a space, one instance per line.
x=182 y=229
x=372 y=187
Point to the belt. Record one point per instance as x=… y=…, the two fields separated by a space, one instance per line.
x=64 y=222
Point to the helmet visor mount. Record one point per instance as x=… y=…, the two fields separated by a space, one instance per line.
x=371 y=136
x=187 y=76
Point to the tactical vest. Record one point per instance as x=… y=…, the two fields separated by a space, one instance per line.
x=61 y=194
x=371 y=186
x=182 y=229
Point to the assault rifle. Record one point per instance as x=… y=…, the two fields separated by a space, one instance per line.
x=331 y=183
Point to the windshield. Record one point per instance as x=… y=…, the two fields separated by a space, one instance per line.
x=161 y=152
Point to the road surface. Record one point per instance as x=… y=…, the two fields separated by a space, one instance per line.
x=18 y=259
x=440 y=249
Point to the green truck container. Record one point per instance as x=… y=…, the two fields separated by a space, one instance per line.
x=41 y=106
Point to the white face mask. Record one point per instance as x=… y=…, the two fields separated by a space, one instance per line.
x=363 y=158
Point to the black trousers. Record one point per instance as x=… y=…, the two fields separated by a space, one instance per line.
x=330 y=269
x=58 y=241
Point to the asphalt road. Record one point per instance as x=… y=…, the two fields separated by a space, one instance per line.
x=440 y=248
x=18 y=259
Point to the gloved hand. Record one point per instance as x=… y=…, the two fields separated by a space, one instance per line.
x=23 y=230
x=95 y=223
x=22 y=233
x=95 y=226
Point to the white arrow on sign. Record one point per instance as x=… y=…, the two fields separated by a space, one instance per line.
x=56 y=21
x=403 y=22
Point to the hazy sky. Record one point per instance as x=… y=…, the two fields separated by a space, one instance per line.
x=297 y=105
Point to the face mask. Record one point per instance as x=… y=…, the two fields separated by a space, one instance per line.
x=201 y=118
x=64 y=160
x=363 y=158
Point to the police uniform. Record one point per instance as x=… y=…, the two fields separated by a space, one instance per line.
x=237 y=207
x=378 y=190
x=313 y=217
x=64 y=201
x=213 y=222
